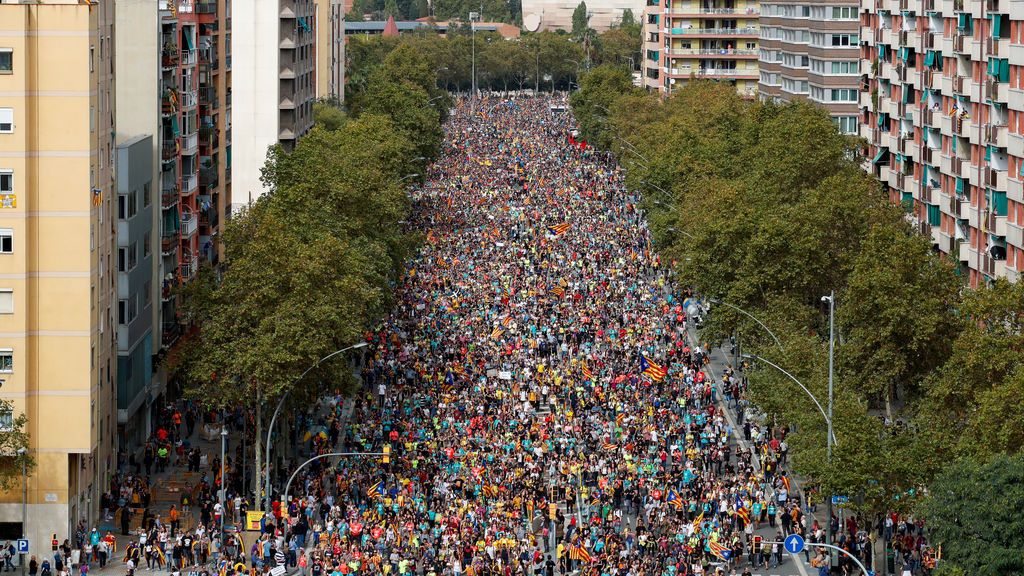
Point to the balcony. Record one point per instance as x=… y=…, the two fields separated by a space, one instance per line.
x=188 y=99
x=723 y=53
x=714 y=72
x=995 y=135
x=208 y=177
x=169 y=243
x=189 y=225
x=188 y=57
x=208 y=96
x=698 y=12
x=996 y=224
x=749 y=31
x=169 y=197
x=189 y=184
x=169 y=102
x=189 y=267
x=189 y=144
x=168 y=150
x=206 y=8
x=169 y=56
x=208 y=138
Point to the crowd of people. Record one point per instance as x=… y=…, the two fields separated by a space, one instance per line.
x=538 y=389
x=545 y=406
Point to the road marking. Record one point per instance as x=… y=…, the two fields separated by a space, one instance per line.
x=732 y=422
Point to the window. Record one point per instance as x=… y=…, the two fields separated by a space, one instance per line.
x=6 y=60
x=846 y=124
x=127 y=206
x=844 y=40
x=6 y=120
x=127 y=310
x=844 y=12
x=147 y=294
x=6 y=421
x=6 y=360
x=845 y=68
x=127 y=258
x=6 y=241
x=6 y=181
x=145 y=194
x=844 y=95
x=146 y=241
x=6 y=301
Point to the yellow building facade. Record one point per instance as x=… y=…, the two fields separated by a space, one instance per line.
x=713 y=39
x=58 y=270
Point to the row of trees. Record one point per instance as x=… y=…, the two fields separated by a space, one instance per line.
x=312 y=263
x=548 y=60
x=767 y=208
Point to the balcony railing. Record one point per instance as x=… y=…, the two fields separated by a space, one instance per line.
x=188 y=57
x=189 y=182
x=715 y=31
x=189 y=224
x=208 y=177
x=189 y=267
x=685 y=10
x=710 y=52
x=169 y=56
x=168 y=149
x=713 y=72
x=168 y=197
x=188 y=99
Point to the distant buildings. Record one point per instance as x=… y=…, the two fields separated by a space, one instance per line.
x=557 y=14
x=941 y=104
x=712 y=39
x=383 y=27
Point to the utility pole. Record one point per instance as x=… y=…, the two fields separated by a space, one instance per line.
x=831 y=299
x=223 y=486
x=472 y=17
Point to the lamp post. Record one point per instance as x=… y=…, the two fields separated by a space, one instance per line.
x=407 y=176
x=288 y=484
x=472 y=18
x=751 y=316
x=24 y=503
x=277 y=410
x=223 y=485
x=831 y=299
x=827 y=416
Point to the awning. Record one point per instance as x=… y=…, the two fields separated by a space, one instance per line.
x=899 y=158
x=883 y=154
x=997 y=24
x=959 y=185
x=882 y=118
x=188 y=40
x=965 y=23
x=929 y=58
x=174 y=126
x=1004 y=69
x=904 y=53
x=907 y=91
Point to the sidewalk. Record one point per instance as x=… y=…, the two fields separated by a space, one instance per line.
x=166 y=489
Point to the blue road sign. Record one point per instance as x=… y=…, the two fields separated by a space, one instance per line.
x=794 y=544
x=23 y=546
x=836 y=500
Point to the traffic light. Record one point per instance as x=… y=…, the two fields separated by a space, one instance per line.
x=387 y=454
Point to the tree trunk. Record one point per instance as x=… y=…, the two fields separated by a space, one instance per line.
x=888 y=401
x=258 y=450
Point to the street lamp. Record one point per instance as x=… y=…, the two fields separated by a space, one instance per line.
x=827 y=416
x=407 y=176
x=287 y=486
x=24 y=503
x=632 y=148
x=223 y=485
x=751 y=316
x=277 y=410
x=472 y=18
x=831 y=299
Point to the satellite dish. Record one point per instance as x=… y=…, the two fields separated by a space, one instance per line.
x=531 y=22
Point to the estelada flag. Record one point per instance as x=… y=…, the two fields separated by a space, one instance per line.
x=559 y=229
x=650 y=368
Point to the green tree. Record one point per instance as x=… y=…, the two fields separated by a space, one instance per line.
x=391 y=9
x=329 y=115
x=14 y=448
x=973 y=511
x=968 y=408
x=580 y=20
x=599 y=89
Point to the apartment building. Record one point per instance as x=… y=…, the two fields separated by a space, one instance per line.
x=275 y=67
x=58 y=292
x=943 y=114
x=812 y=51
x=714 y=39
x=330 y=49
